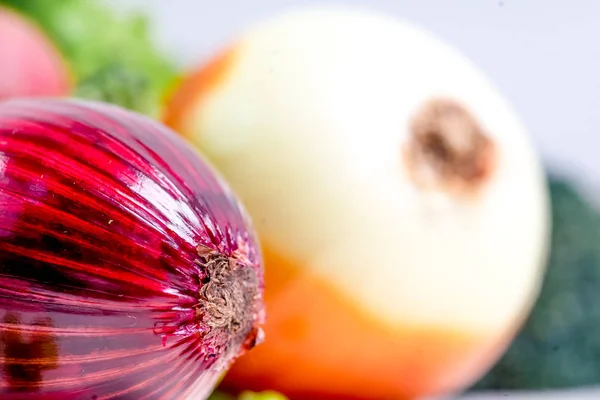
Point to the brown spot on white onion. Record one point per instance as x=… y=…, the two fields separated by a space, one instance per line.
x=448 y=149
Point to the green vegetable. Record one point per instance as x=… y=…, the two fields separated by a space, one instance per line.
x=115 y=83
x=112 y=57
x=221 y=396
x=268 y=395
x=559 y=346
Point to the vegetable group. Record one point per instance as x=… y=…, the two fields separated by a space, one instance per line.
x=112 y=57
x=128 y=269
x=30 y=65
x=401 y=207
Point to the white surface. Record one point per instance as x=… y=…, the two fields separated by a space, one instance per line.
x=542 y=54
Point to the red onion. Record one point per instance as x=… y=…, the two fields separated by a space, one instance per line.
x=128 y=268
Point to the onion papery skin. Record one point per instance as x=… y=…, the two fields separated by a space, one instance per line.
x=107 y=220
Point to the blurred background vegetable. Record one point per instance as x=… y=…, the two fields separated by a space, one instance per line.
x=112 y=56
x=30 y=64
x=559 y=346
x=247 y=395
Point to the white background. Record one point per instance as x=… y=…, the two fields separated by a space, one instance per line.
x=544 y=55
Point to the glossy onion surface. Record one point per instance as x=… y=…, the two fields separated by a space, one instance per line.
x=128 y=269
